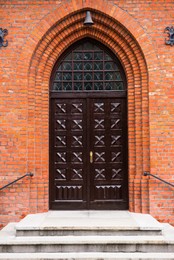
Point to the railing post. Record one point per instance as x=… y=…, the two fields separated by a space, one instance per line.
x=146 y=174
x=30 y=174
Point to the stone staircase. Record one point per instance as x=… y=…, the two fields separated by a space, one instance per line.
x=87 y=235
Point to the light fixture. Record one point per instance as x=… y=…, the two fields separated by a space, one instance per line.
x=88 y=20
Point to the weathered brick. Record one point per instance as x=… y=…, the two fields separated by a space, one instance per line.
x=39 y=32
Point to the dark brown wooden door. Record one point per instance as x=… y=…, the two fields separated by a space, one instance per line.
x=108 y=147
x=88 y=153
x=69 y=175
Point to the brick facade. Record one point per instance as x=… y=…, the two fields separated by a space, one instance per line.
x=39 y=32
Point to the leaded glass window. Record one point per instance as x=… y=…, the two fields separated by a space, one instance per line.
x=88 y=67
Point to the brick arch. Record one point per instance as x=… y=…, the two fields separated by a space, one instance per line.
x=54 y=42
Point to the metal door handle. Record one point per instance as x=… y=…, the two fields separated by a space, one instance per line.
x=91 y=156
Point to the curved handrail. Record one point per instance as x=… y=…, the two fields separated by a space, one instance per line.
x=30 y=174
x=158 y=178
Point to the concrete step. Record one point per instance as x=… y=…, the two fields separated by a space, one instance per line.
x=88 y=223
x=87 y=232
x=87 y=235
x=87 y=256
x=52 y=244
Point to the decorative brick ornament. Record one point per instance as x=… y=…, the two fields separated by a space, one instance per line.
x=3 y=33
x=170 y=32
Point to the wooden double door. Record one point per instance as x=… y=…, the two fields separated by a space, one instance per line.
x=88 y=152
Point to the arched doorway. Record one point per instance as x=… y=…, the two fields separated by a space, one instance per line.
x=88 y=130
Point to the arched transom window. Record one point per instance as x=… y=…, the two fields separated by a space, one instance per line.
x=88 y=66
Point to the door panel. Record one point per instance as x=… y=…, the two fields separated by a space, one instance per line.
x=88 y=153
x=108 y=144
x=69 y=134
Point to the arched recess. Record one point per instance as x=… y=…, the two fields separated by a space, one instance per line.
x=120 y=41
x=88 y=130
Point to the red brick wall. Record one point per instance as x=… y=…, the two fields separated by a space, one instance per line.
x=39 y=31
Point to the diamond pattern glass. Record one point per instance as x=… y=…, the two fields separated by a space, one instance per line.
x=58 y=76
x=68 y=57
x=88 y=67
x=98 y=76
x=118 y=86
x=77 y=86
x=110 y=66
x=108 y=86
x=98 y=86
x=98 y=56
x=78 y=66
x=88 y=86
x=98 y=65
x=67 y=66
x=67 y=76
x=108 y=57
x=87 y=76
x=78 y=56
x=109 y=76
x=57 y=86
x=78 y=76
x=88 y=56
x=67 y=86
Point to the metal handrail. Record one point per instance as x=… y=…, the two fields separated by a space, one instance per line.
x=158 y=178
x=30 y=174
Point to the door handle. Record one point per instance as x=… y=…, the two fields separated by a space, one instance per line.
x=91 y=156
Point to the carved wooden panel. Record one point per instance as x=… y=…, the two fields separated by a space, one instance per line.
x=69 y=192
x=108 y=143
x=68 y=151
